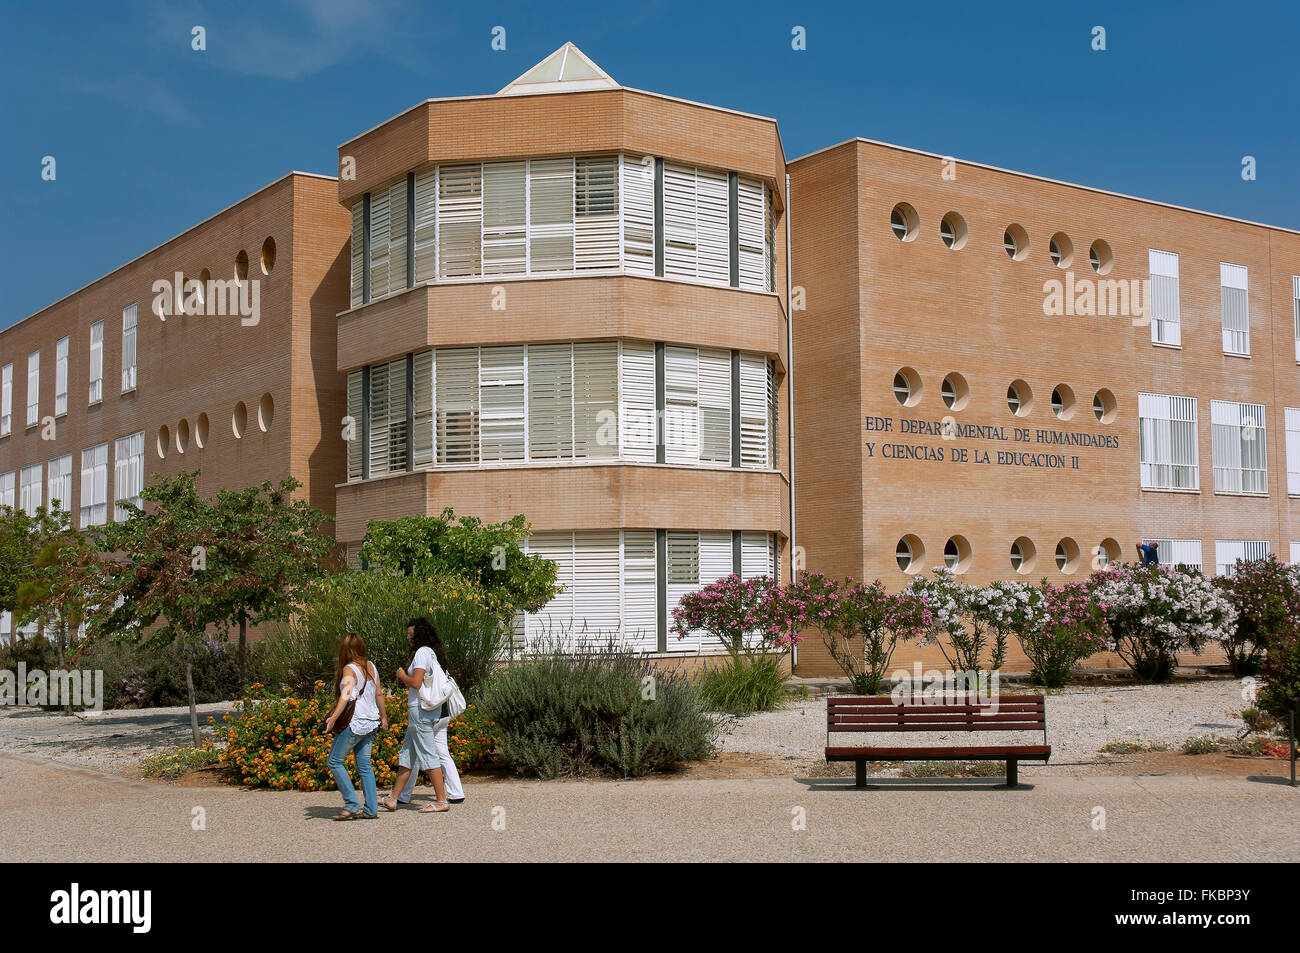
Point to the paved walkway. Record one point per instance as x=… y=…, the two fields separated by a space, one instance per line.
x=51 y=812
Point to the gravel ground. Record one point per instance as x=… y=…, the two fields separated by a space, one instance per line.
x=1079 y=722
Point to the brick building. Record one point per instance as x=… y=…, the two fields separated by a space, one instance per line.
x=569 y=299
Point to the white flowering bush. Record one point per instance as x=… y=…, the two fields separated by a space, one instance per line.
x=1155 y=612
x=967 y=621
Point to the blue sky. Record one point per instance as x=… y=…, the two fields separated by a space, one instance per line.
x=151 y=137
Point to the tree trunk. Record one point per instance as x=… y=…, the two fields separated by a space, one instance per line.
x=63 y=640
x=194 y=711
x=243 y=650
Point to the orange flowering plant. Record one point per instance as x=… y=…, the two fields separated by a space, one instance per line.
x=279 y=742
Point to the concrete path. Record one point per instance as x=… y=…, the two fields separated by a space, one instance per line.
x=52 y=812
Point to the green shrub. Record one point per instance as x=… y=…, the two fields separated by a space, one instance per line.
x=604 y=712
x=1280 y=676
x=176 y=763
x=377 y=605
x=741 y=686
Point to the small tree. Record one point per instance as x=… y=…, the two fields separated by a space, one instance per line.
x=488 y=554
x=1266 y=596
x=20 y=541
x=743 y=614
x=1155 y=612
x=963 y=618
x=1066 y=627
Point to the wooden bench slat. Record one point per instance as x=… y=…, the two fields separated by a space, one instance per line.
x=989 y=752
x=889 y=700
x=922 y=717
x=933 y=728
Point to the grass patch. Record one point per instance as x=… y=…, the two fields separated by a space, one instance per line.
x=1133 y=747
x=954 y=769
x=174 y=764
x=745 y=685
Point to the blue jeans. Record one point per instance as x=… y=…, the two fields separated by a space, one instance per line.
x=344 y=742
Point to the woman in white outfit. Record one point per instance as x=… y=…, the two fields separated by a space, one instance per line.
x=450 y=776
x=419 y=747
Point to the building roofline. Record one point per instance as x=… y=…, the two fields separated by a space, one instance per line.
x=1050 y=181
x=127 y=264
x=496 y=97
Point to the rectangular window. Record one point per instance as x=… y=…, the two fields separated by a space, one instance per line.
x=696 y=224
x=595 y=214
x=61 y=377
x=6 y=627
x=388 y=418
x=358 y=251
x=1295 y=552
x=1235 y=301
x=7 y=490
x=595 y=400
x=751 y=222
x=501 y=404
x=637 y=174
x=29 y=489
x=550 y=215
x=460 y=221
x=754 y=444
x=6 y=400
x=355 y=425
x=422 y=410
x=128 y=473
x=128 y=348
x=1240 y=447
x=1166 y=325
x=637 y=420
x=681 y=405
x=33 y=388
x=60 y=482
x=1229 y=552
x=426 y=226
x=1168 y=442
x=94 y=485
x=683 y=560
x=456 y=404
x=550 y=402
x=505 y=222
x=95 y=390
x=715 y=406
x=1293 y=451
x=1295 y=307
x=388 y=240
x=1178 y=552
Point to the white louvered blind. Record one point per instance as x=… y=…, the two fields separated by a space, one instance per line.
x=550 y=401
x=501 y=403
x=6 y=399
x=426 y=227
x=596 y=589
x=456 y=405
x=638 y=181
x=379 y=235
x=712 y=241
x=717 y=561
x=681 y=405
x=95 y=389
x=422 y=409
x=1295 y=552
x=128 y=473
x=1228 y=552
x=29 y=488
x=554 y=623
x=128 y=348
x=680 y=222
x=388 y=418
x=637 y=384
x=397 y=237
x=753 y=411
x=751 y=223
x=1167 y=442
x=358 y=250
x=715 y=406
x=1295 y=305
x=773 y=416
x=33 y=387
x=683 y=575
x=1240 y=447
x=595 y=400
x=1166 y=325
x=595 y=214
x=640 y=593
x=757 y=555
x=94 y=486
x=460 y=221
x=1293 y=451
x=356 y=424
x=59 y=482
x=7 y=485
x=1235 y=303
x=61 y=376
x=505 y=225
x=550 y=215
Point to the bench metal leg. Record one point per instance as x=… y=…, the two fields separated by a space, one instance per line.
x=1012 y=773
x=861 y=774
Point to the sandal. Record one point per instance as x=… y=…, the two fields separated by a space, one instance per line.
x=348 y=816
x=433 y=808
x=388 y=800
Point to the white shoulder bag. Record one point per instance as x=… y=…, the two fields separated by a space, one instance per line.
x=440 y=689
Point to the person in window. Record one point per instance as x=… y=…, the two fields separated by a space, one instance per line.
x=1148 y=554
x=420 y=746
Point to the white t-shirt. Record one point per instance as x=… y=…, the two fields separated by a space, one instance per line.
x=425 y=659
x=365 y=716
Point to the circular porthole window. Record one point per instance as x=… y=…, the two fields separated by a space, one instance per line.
x=1067 y=556
x=241 y=265
x=954 y=391
x=952 y=229
x=265 y=413
x=1104 y=406
x=164 y=442
x=183 y=435
x=909 y=554
x=1061 y=249
x=1101 y=257
x=1020 y=399
x=201 y=431
x=907 y=387
x=1063 y=402
x=268 y=255
x=1016 y=242
x=1023 y=555
x=956 y=554
x=1105 y=553
x=904 y=222
x=239 y=420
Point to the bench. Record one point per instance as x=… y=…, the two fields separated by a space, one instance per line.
x=881 y=713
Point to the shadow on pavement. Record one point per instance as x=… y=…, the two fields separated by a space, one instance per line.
x=913 y=784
